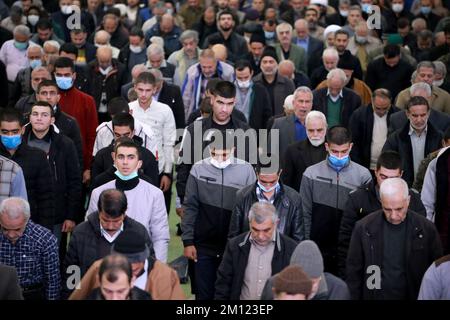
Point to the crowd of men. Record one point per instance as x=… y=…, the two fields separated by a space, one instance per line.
x=305 y=144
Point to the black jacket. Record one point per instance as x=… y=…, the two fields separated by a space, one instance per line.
x=68 y=126
x=317 y=76
x=236 y=45
x=87 y=245
x=82 y=82
x=230 y=275
x=361 y=202
x=260 y=107
x=400 y=141
x=185 y=163
x=350 y=102
x=423 y=246
x=299 y=156
x=347 y=57
x=66 y=174
x=171 y=95
x=104 y=161
x=289 y=210
x=110 y=84
x=441 y=209
x=38 y=180
x=440 y=120
x=361 y=126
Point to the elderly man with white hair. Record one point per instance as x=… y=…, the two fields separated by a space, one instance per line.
x=336 y=101
x=31 y=249
x=287 y=50
x=13 y=53
x=330 y=59
x=391 y=249
x=22 y=85
x=313 y=46
x=103 y=38
x=302 y=154
x=156 y=60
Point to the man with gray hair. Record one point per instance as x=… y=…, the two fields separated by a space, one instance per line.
x=393 y=246
x=439 y=99
x=168 y=31
x=103 y=38
x=287 y=50
x=13 y=53
x=263 y=249
x=185 y=57
x=336 y=101
x=302 y=154
x=292 y=128
x=156 y=60
x=312 y=46
x=330 y=59
x=25 y=103
x=440 y=76
x=31 y=249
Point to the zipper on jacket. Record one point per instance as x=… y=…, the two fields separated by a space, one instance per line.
x=54 y=168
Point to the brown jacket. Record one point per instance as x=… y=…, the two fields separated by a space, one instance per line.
x=360 y=87
x=162 y=283
x=440 y=99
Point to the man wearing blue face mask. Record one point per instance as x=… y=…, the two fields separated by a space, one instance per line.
x=13 y=53
x=269 y=188
x=145 y=201
x=425 y=12
x=324 y=192
x=35 y=166
x=208 y=202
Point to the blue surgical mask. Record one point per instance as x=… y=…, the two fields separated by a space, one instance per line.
x=64 y=83
x=269 y=34
x=21 y=45
x=126 y=178
x=425 y=10
x=264 y=189
x=11 y=142
x=338 y=163
x=35 y=63
x=366 y=7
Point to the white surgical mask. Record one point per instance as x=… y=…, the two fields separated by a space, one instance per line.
x=105 y=71
x=33 y=19
x=316 y=142
x=66 y=9
x=397 y=7
x=220 y=164
x=135 y=49
x=243 y=84
x=344 y=13
x=438 y=83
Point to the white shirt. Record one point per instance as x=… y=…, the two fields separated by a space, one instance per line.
x=141 y=281
x=334 y=99
x=379 y=136
x=159 y=117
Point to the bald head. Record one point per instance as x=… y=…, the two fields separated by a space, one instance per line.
x=104 y=57
x=301 y=28
x=102 y=38
x=167 y=23
x=286 y=68
x=220 y=52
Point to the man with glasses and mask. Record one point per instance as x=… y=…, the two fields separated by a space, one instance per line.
x=209 y=200
x=93 y=239
x=269 y=188
x=324 y=192
x=31 y=249
x=366 y=199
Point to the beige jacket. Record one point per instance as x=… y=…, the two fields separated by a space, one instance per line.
x=440 y=99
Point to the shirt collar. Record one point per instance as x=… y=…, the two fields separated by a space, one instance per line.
x=413 y=132
x=107 y=236
x=340 y=95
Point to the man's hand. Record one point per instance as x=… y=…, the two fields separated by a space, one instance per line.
x=87 y=176
x=180 y=212
x=191 y=253
x=68 y=226
x=165 y=183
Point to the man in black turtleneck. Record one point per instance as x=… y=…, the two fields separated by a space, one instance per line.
x=102 y=170
x=146 y=202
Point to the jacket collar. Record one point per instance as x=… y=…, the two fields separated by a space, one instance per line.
x=246 y=241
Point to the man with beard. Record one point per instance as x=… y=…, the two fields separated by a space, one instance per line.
x=341 y=40
x=279 y=87
x=236 y=44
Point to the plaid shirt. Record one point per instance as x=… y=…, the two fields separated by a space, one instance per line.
x=35 y=257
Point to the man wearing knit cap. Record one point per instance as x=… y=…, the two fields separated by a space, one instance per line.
x=149 y=274
x=279 y=87
x=325 y=286
x=257 y=44
x=292 y=284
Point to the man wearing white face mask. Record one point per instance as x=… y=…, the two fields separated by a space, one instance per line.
x=134 y=53
x=398 y=11
x=302 y=154
x=252 y=99
x=324 y=192
x=210 y=197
